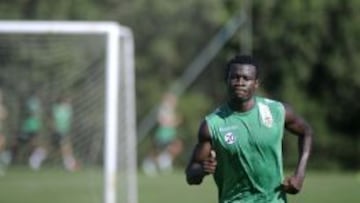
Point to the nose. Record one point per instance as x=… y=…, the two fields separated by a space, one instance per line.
x=241 y=81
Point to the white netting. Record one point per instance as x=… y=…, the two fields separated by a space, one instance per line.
x=52 y=67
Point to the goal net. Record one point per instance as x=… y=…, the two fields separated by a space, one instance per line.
x=68 y=91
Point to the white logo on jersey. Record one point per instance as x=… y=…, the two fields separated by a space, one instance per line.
x=229 y=138
x=265 y=113
x=228 y=128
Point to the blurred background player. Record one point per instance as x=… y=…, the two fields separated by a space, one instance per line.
x=29 y=132
x=166 y=143
x=4 y=154
x=62 y=115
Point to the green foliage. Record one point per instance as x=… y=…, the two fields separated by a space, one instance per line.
x=167 y=40
x=309 y=49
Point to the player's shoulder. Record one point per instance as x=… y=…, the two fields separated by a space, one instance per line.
x=271 y=103
x=267 y=100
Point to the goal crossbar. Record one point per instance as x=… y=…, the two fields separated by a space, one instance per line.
x=113 y=31
x=70 y=27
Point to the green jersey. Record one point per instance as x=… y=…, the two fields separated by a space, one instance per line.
x=33 y=123
x=62 y=115
x=249 y=152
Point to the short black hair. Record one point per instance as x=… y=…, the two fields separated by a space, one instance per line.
x=242 y=59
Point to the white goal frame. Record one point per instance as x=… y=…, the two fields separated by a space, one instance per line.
x=113 y=33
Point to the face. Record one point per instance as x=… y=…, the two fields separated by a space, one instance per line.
x=242 y=82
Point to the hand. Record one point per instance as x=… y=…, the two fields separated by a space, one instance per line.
x=209 y=164
x=292 y=185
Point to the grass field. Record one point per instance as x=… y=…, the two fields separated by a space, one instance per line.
x=20 y=185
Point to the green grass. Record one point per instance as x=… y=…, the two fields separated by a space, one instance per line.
x=20 y=185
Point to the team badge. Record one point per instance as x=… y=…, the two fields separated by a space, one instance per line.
x=229 y=138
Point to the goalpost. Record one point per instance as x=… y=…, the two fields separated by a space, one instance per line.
x=119 y=98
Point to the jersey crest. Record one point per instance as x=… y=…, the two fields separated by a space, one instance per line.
x=229 y=138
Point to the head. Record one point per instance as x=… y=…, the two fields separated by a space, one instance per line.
x=63 y=98
x=242 y=77
x=170 y=98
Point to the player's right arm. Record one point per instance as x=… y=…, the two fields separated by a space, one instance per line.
x=203 y=160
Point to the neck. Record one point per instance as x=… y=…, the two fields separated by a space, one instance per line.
x=242 y=105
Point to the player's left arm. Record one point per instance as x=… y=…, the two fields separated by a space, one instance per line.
x=298 y=126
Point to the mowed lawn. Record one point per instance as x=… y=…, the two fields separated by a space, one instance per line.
x=20 y=185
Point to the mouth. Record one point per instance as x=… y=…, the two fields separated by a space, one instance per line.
x=240 y=91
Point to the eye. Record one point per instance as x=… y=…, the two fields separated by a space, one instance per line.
x=233 y=76
x=245 y=78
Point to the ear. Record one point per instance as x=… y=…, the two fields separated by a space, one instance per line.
x=257 y=83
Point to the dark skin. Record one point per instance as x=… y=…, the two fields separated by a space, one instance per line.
x=242 y=84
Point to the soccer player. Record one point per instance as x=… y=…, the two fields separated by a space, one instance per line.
x=240 y=143
x=62 y=115
x=167 y=144
x=31 y=127
x=5 y=156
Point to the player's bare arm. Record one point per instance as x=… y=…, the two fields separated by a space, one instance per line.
x=203 y=161
x=298 y=126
